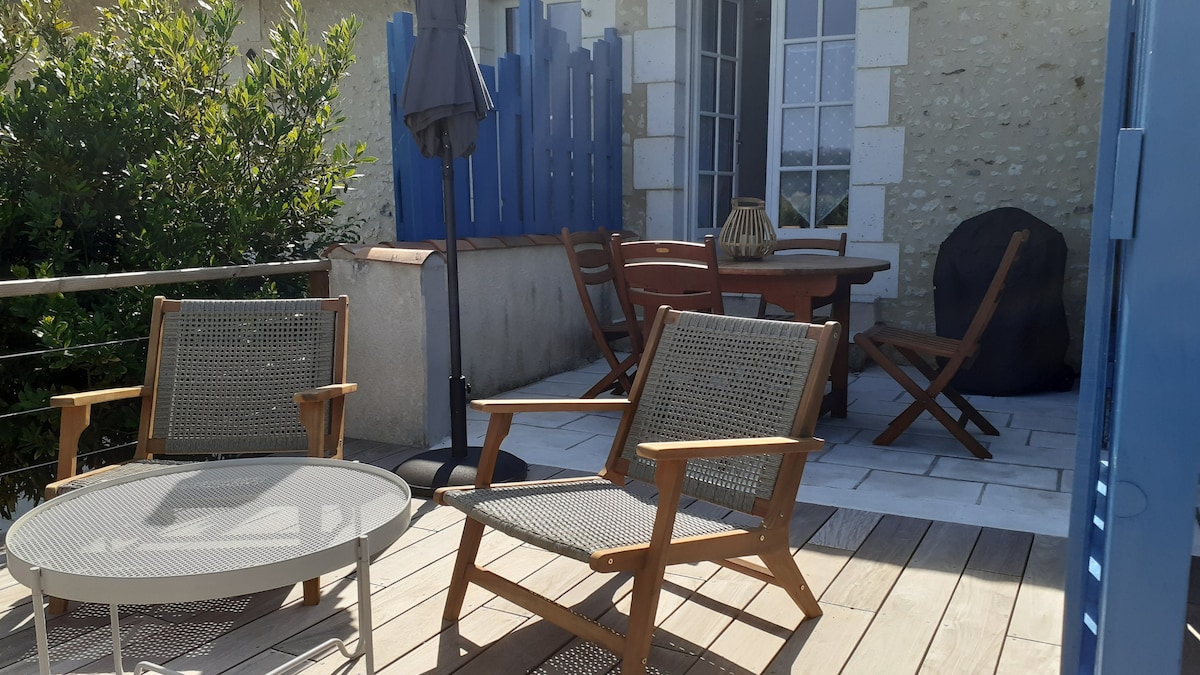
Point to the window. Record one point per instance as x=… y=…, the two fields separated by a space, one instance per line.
x=717 y=109
x=812 y=113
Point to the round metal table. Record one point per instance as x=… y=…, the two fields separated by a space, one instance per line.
x=209 y=530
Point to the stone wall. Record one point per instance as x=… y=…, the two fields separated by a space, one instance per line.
x=1000 y=102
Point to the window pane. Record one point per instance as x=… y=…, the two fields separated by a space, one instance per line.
x=837 y=134
x=796 y=147
x=795 y=198
x=800 y=73
x=707 y=132
x=708 y=25
x=708 y=84
x=839 y=17
x=705 y=213
x=729 y=21
x=837 y=71
x=725 y=146
x=728 y=85
x=724 y=198
x=833 y=198
x=801 y=19
x=566 y=16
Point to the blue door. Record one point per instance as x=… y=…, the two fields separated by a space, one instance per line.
x=1138 y=457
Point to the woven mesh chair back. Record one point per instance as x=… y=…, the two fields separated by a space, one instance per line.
x=228 y=371
x=714 y=377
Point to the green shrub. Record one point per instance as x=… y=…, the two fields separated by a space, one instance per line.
x=132 y=148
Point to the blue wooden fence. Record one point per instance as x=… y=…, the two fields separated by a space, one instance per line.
x=548 y=156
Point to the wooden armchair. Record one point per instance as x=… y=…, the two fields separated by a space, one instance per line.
x=723 y=409
x=226 y=377
x=938 y=359
x=592 y=267
x=680 y=274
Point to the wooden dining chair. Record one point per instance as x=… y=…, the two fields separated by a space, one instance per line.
x=723 y=409
x=938 y=359
x=649 y=274
x=591 y=263
x=837 y=246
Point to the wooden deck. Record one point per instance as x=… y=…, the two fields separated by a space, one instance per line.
x=901 y=595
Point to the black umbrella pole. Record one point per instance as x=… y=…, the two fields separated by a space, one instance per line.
x=459 y=464
x=458 y=382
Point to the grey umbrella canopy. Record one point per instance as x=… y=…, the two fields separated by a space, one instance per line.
x=443 y=84
x=444 y=98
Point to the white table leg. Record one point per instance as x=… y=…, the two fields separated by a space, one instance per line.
x=115 y=624
x=39 y=622
x=366 y=643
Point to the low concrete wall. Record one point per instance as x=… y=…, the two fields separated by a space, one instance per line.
x=521 y=322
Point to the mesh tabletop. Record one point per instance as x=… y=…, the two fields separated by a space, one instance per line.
x=208 y=530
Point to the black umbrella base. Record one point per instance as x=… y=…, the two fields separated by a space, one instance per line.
x=437 y=468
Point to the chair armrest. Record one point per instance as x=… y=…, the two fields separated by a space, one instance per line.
x=97 y=396
x=726 y=447
x=325 y=393
x=519 y=405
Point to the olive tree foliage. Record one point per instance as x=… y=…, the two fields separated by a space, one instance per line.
x=132 y=148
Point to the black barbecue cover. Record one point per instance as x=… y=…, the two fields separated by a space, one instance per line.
x=1024 y=347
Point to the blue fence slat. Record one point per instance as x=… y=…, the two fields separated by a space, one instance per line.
x=539 y=65
x=601 y=64
x=548 y=156
x=485 y=169
x=529 y=15
x=399 y=40
x=560 y=129
x=614 y=113
x=508 y=115
x=581 y=141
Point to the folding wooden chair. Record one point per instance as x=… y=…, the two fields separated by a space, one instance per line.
x=592 y=267
x=838 y=246
x=951 y=354
x=723 y=409
x=680 y=274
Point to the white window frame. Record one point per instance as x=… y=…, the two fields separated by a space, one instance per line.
x=693 y=177
x=775 y=120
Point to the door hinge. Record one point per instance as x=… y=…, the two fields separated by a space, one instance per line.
x=1125 y=184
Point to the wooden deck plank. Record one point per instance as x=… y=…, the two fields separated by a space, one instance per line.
x=457 y=644
x=807 y=519
x=712 y=619
x=1028 y=657
x=868 y=577
x=908 y=619
x=822 y=645
x=536 y=640
x=972 y=633
x=1038 y=614
x=1001 y=551
x=847 y=529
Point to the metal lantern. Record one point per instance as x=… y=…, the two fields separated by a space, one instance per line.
x=748 y=233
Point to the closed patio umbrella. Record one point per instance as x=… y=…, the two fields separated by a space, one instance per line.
x=443 y=99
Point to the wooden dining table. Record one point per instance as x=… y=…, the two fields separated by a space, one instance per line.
x=792 y=281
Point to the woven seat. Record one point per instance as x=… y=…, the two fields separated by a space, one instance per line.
x=722 y=410
x=226 y=377
x=562 y=517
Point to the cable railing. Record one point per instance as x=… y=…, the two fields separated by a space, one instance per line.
x=318 y=279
